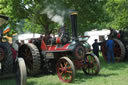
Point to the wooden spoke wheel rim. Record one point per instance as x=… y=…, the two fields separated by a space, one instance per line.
x=92 y=64
x=65 y=69
x=119 y=50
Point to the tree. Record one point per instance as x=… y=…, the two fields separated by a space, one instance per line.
x=118 y=13
x=45 y=13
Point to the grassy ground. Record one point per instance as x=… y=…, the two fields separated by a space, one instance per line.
x=110 y=74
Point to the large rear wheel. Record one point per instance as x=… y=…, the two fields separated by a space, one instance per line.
x=30 y=53
x=92 y=64
x=6 y=57
x=65 y=69
x=119 y=50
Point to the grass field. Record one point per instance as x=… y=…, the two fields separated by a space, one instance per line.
x=110 y=74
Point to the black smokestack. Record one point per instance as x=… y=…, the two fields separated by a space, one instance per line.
x=74 y=24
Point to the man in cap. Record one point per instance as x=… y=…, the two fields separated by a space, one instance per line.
x=95 y=46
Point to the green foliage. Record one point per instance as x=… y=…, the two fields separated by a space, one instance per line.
x=47 y=15
x=26 y=26
x=118 y=13
x=43 y=12
x=110 y=74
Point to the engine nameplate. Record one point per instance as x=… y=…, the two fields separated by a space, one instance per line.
x=49 y=55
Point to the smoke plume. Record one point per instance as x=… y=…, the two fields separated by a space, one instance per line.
x=55 y=14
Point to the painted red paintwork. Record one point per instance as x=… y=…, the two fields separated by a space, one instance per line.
x=58 y=41
x=55 y=48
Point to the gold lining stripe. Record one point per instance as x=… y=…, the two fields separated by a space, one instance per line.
x=73 y=13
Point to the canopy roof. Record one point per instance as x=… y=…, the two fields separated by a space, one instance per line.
x=3 y=19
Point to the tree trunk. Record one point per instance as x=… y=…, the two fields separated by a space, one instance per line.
x=47 y=29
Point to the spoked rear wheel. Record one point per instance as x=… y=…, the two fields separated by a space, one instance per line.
x=30 y=53
x=119 y=50
x=21 y=74
x=6 y=57
x=92 y=64
x=65 y=69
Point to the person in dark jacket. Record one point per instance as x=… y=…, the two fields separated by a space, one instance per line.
x=110 y=51
x=95 y=46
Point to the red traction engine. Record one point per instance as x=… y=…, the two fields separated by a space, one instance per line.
x=60 y=55
x=120 y=45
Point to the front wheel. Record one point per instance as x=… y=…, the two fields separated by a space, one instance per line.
x=21 y=74
x=65 y=69
x=92 y=64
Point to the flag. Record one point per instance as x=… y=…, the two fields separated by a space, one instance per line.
x=6 y=29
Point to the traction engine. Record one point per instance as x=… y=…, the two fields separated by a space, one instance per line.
x=120 y=48
x=60 y=55
x=10 y=64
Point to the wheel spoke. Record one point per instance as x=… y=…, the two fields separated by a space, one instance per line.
x=95 y=67
x=61 y=65
x=69 y=67
x=92 y=70
x=64 y=77
x=70 y=76
x=91 y=58
x=65 y=69
x=69 y=71
x=66 y=64
x=90 y=66
x=61 y=73
x=60 y=68
x=87 y=60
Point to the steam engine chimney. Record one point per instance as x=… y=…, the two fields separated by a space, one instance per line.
x=73 y=16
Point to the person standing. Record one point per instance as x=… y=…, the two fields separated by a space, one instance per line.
x=95 y=46
x=110 y=51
